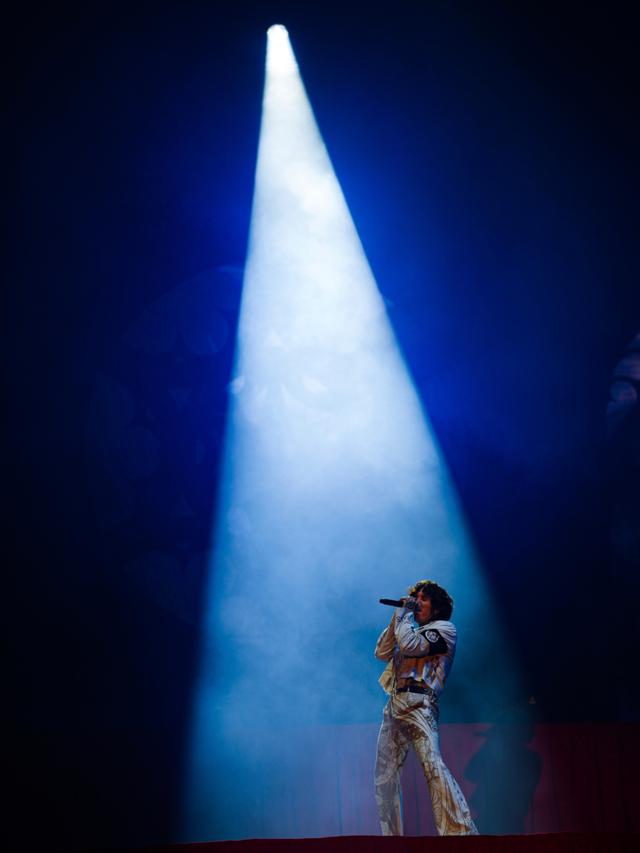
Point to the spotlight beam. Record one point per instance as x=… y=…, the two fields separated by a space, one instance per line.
x=334 y=490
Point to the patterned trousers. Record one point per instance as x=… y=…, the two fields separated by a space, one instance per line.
x=410 y=718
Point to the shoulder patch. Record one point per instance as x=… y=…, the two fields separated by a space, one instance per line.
x=437 y=643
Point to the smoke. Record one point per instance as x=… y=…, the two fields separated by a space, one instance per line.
x=334 y=492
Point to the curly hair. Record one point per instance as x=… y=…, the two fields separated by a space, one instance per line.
x=441 y=601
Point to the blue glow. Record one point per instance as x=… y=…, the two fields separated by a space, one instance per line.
x=334 y=491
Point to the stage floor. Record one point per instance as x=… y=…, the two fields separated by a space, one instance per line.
x=561 y=842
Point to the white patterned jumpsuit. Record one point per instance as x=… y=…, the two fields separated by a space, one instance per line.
x=419 y=659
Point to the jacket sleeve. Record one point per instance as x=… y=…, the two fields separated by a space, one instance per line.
x=386 y=642
x=409 y=642
x=416 y=644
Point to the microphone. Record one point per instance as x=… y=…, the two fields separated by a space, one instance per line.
x=409 y=603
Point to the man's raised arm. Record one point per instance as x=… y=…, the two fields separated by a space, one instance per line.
x=413 y=643
x=386 y=641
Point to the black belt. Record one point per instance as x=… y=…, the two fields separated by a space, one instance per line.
x=414 y=688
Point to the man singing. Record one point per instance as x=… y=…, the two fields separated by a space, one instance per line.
x=419 y=644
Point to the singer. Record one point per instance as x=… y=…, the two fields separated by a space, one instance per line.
x=419 y=644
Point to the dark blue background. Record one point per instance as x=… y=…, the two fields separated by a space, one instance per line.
x=488 y=153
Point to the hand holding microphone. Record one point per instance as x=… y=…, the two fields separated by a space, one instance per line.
x=408 y=602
